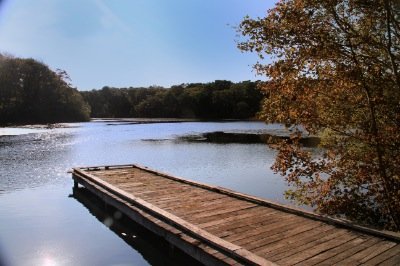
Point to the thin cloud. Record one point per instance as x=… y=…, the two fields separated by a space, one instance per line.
x=110 y=19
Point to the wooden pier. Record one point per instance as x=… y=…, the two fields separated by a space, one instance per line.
x=218 y=226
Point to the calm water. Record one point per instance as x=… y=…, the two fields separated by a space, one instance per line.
x=41 y=225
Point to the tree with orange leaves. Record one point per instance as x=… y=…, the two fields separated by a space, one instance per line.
x=335 y=72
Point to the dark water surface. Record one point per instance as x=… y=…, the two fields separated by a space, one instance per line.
x=42 y=224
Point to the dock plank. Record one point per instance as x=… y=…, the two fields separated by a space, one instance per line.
x=220 y=226
x=284 y=239
x=389 y=257
x=238 y=217
x=235 y=222
x=367 y=256
x=270 y=225
x=308 y=244
x=315 y=250
x=338 y=250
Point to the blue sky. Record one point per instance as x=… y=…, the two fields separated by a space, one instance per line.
x=124 y=43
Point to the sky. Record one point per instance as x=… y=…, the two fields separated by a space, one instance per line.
x=132 y=43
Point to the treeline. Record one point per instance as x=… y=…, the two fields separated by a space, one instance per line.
x=30 y=92
x=216 y=100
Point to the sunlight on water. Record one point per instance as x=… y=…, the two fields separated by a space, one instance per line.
x=9 y=131
x=49 y=262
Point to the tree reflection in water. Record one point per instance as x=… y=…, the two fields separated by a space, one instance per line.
x=153 y=248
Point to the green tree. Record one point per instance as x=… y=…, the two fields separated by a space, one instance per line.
x=30 y=92
x=10 y=98
x=152 y=106
x=214 y=100
x=335 y=71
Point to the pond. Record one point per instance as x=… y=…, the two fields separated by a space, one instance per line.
x=41 y=224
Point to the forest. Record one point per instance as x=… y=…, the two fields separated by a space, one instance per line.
x=216 y=100
x=30 y=92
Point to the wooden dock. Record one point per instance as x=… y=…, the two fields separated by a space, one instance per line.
x=218 y=226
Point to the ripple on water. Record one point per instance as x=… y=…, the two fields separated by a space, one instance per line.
x=32 y=160
x=39 y=221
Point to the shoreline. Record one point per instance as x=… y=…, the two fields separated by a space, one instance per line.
x=33 y=125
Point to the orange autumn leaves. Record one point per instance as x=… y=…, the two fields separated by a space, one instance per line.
x=335 y=72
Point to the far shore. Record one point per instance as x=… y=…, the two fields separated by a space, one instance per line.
x=34 y=125
x=162 y=120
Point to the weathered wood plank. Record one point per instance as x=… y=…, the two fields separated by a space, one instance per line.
x=190 y=207
x=248 y=214
x=230 y=226
x=234 y=250
x=237 y=221
x=170 y=233
x=282 y=254
x=348 y=252
x=177 y=201
x=341 y=249
x=384 y=257
x=315 y=250
x=388 y=257
x=180 y=202
x=285 y=208
x=265 y=224
x=395 y=260
x=270 y=252
x=368 y=253
x=231 y=209
x=284 y=239
x=268 y=226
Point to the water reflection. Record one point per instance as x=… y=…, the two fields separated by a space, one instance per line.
x=154 y=249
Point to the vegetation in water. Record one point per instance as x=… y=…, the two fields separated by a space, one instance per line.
x=335 y=71
x=30 y=92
